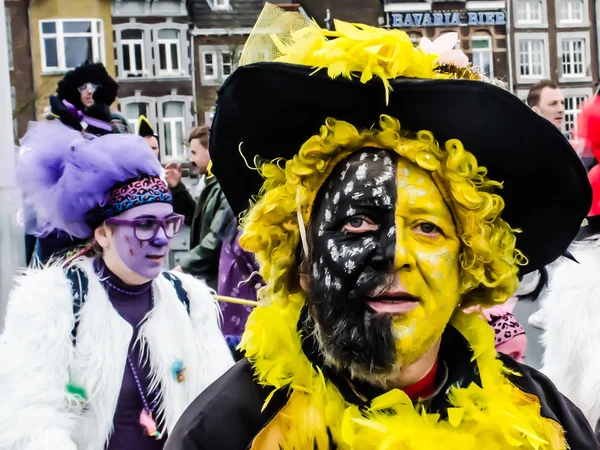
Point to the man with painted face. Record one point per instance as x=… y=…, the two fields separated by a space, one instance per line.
x=376 y=225
x=102 y=350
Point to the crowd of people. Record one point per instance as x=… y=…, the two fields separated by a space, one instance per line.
x=366 y=213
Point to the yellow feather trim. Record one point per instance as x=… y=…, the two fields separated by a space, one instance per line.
x=493 y=417
x=353 y=51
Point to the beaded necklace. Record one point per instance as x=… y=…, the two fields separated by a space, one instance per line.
x=146 y=420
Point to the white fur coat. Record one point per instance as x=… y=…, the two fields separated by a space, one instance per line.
x=38 y=359
x=571 y=339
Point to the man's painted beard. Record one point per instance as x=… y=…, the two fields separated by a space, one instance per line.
x=384 y=270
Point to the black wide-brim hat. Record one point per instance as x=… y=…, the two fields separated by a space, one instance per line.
x=271 y=109
x=94 y=73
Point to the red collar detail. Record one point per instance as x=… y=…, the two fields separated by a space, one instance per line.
x=425 y=387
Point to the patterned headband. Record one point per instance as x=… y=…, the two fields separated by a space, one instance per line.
x=131 y=194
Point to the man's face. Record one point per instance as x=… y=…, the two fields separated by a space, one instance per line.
x=551 y=106
x=153 y=143
x=199 y=155
x=384 y=270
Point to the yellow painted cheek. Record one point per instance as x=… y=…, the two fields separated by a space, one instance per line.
x=427 y=267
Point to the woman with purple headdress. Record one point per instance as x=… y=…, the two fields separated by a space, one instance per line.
x=102 y=351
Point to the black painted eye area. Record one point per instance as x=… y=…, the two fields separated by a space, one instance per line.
x=360 y=224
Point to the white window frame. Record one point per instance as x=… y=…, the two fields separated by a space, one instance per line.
x=222 y=63
x=137 y=98
x=182 y=47
x=532 y=79
x=98 y=51
x=131 y=43
x=587 y=55
x=209 y=116
x=168 y=55
x=566 y=23
x=542 y=23
x=217 y=51
x=490 y=51
x=221 y=5
x=9 y=39
x=215 y=64
x=573 y=93
x=146 y=51
x=160 y=8
x=188 y=123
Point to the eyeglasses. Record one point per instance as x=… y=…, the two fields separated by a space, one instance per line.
x=145 y=228
x=86 y=86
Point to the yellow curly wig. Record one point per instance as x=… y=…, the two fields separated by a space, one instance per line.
x=489 y=259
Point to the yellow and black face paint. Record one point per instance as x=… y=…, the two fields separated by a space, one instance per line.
x=384 y=264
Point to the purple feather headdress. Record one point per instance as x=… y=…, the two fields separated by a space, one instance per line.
x=66 y=177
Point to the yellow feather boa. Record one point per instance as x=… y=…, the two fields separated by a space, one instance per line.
x=497 y=416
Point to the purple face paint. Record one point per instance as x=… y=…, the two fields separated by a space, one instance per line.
x=143 y=257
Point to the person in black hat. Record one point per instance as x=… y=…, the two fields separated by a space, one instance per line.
x=571 y=333
x=146 y=131
x=383 y=196
x=83 y=98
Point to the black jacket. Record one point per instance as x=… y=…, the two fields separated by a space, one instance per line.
x=227 y=415
x=202 y=261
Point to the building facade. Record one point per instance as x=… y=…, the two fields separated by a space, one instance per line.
x=154 y=70
x=369 y=12
x=19 y=58
x=555 y=40
x=220 y=29
x=63 y=35
x=481 y=26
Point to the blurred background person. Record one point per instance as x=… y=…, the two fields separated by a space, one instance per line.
x=238 y=278
x=209 y=212
x=183 y=200
x=146 y=131
x=546 y=99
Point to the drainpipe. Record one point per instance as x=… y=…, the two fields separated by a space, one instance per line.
x=509 y=52
x=12 y=237
x=193 y=73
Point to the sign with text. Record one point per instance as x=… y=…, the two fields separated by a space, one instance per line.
x=446 y=19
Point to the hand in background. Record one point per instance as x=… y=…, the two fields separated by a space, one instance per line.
x=173 y=174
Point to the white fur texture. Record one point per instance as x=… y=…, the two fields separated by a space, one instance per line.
x=38 y=359
x=572 y=335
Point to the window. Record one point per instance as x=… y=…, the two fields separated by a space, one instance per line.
x=482 y=54
x=209 y=66
x=133 y=111
x=570 y=12
x=529 y=12
x=573 y=57
x=67 y=44
x=169 y=52
x=132 y=44
x=226 y=64
x=531 y=58
x=9 y=40
x=572 y=107
x=173 y=129
x=221 y=4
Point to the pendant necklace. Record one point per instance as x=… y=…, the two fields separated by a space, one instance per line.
x=146 y=420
